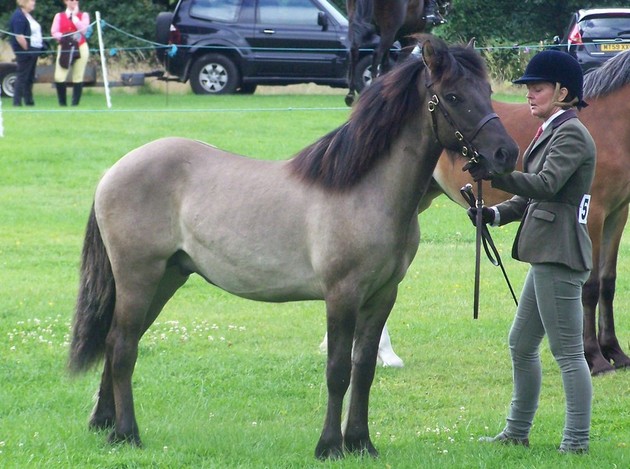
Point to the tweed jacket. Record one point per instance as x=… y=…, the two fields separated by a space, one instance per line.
x=552 y=196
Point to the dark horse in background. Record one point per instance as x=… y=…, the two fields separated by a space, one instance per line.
x=607 y=90
x=394 y=19
x=301 y=231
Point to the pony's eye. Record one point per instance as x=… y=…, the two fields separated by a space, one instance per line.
x=452 y=98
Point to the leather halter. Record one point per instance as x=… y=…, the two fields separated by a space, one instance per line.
x=468 y=150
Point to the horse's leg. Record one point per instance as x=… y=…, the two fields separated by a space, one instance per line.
x=104 y=413
x=590 y=296
x=354 y=60
x=341 y=319
x=380 y=63
x=136 y=292
x=386 y=355
x=608 y=342
x=368 y=331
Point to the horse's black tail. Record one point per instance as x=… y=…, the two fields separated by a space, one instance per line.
x=95 y=301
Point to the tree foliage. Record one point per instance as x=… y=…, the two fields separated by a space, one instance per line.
x=510 y=21
x=496 y=24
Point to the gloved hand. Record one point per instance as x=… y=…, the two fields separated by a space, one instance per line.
x=477 y=171
x=487 y=215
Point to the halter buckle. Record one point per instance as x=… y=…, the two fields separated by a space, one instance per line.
x=433 y=103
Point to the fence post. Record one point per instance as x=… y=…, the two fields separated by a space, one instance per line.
x=103 y=62
x=1 y=125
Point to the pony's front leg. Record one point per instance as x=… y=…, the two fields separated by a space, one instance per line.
x=338 y=368
x=369 y=327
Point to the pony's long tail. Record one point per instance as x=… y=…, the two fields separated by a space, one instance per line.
x=95 y=301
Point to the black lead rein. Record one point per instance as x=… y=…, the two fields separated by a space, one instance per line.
x=488 y=243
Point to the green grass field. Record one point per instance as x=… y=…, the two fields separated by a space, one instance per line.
x=223 y=382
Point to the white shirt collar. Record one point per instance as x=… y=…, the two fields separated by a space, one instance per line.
x=551 y=118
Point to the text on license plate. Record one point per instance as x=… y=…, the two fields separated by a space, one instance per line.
x=614 y=47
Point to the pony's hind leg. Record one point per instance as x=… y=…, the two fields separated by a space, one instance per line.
x=104 y=412
x=607 y=337
x=136 y=309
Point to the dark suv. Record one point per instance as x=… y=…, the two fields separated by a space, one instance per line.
x=227 y=46
x=595 y=35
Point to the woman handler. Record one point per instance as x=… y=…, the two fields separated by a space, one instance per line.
x=551 y=201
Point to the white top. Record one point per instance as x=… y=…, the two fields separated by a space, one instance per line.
x=37 y=41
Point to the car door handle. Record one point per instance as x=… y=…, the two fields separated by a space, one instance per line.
x=269 y=31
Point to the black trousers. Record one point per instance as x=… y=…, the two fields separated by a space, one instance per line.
x=26 y=63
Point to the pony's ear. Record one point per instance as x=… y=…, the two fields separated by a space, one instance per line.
x=431 y=58
x=471 y=43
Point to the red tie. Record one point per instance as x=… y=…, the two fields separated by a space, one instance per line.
x=538 y=132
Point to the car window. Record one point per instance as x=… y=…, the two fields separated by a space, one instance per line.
x=291 y=12
x=605 y=27
x=220 y=10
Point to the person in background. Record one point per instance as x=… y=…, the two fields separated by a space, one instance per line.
x=551 y=201
x=70 y=23
x=27 y=43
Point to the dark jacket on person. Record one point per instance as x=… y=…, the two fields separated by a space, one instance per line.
x=552 y=201
x=18 y=24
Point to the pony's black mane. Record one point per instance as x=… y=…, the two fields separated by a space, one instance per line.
x=612 y=75
x=342 y=157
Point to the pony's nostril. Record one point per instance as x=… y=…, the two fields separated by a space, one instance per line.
x=504 y=157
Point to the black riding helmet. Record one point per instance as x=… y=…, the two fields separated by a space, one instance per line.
x=556 y=67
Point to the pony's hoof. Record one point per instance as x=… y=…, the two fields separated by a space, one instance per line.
x=324 y=452
x=102 y=422
x=116 y=438
x=602 y=368
x=349 y=99
x=363 y=448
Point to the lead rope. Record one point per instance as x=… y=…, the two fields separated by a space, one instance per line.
x=478 y=235
x=483 y=235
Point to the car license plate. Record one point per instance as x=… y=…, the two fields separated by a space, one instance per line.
x=614 y=47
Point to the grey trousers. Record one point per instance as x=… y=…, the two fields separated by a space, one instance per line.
x=551 y=303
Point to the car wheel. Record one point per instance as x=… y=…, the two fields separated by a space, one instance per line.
x=7 y=82
x=214 y=74
x=162 y=30
x=363 y=73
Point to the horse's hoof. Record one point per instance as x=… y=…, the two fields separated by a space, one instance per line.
x=102 y=422
x=362 y=448
x=349 y=99
x=602 y=369
x=116 y=438
x=323 y=452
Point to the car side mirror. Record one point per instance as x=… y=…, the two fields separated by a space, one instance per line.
x=322 y=20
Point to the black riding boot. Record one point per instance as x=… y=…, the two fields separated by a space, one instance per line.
x=77 y=89
x=432 y=13
x=61 y=94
